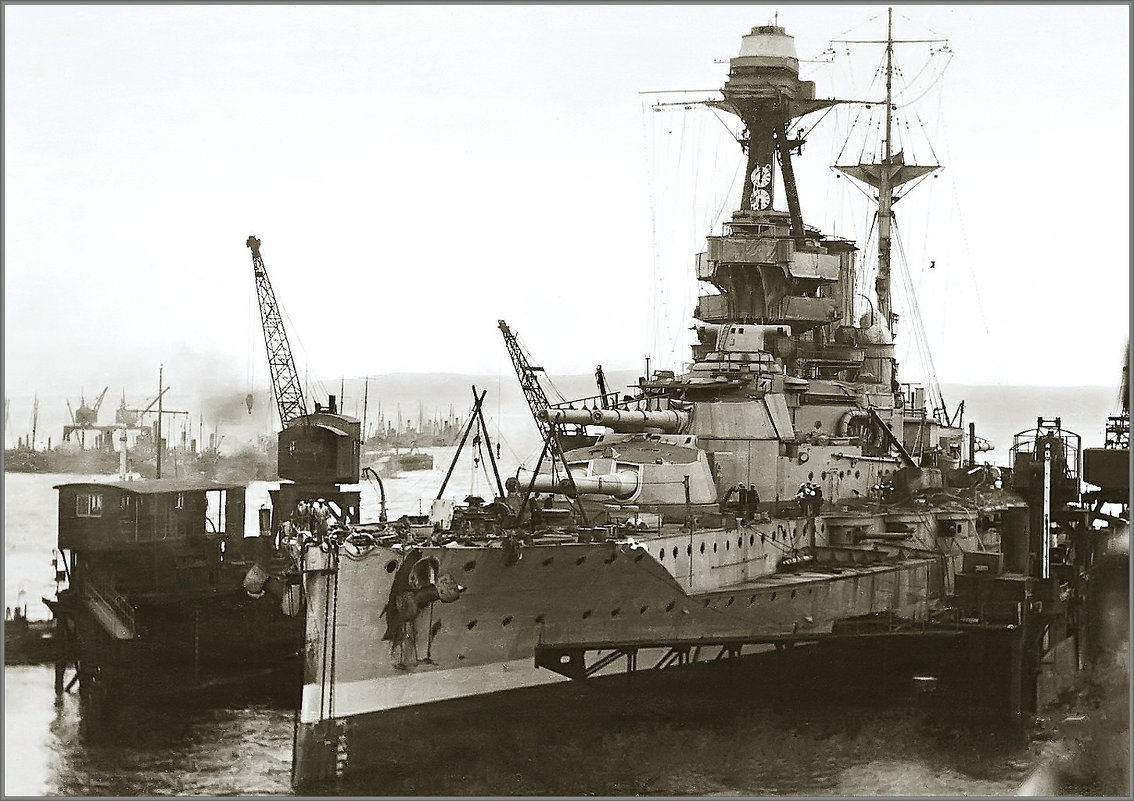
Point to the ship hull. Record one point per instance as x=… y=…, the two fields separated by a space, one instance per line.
x=180 y=649
x=531 y=615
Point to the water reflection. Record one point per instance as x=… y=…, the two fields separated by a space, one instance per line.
x=50 y=750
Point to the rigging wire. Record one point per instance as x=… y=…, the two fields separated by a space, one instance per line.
x=649 y=144
x=926 y=353
x=929 y=88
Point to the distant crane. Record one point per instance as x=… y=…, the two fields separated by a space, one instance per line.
x=131 y=418
x=87 y=416
x=285 y=378
x=538 y=403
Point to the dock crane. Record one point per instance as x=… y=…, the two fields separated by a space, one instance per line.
x=538 y=403
x=85 y=418
x=319 y=451
x=285 y=378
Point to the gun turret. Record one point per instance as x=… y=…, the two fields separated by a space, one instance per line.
x=621 y=485
x=622 y=421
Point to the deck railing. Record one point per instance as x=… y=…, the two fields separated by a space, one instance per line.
x=116 y=603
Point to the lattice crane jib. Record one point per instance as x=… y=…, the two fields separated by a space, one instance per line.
x=286 y=386
x=537 y=401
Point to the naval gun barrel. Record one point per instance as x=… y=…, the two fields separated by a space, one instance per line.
x=621 y=420
x=621 y=485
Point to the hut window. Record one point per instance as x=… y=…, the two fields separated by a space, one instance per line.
x=88 y=504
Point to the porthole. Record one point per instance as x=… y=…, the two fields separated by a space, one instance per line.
x=689 y=550
x=793 y=593
x=730 y=600
x=842 y=474
x=751 y=539
x=642 y=611
x=471 y=625
x=773 y=596
x=773 y=536
x=436 y=627
x=470 y=565
x=751 y=600
x=661 y=554
x=811 y=476
x=547 y=561
x=856 y=474
x=727 y=543
x=392 y=565
x=740 y=542
x=616 y=611
x=714 y=547
x=707 y=602
x=702 y=547
x=674 y=551
x=639 y=557
x=586 y=614
x=810 y=590
x=506 y=621
x=823 y=475
x=795 y=531
x=669 y=606
x=762 y=536
x=539 y=619
x=580 y=560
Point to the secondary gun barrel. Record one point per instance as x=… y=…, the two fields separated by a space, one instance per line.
x=621 y=485
x=623 y=421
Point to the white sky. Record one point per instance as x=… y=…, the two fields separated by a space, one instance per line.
x=416 y=173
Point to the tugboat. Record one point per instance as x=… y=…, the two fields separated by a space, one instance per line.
x=785 y=489
x=166 y=598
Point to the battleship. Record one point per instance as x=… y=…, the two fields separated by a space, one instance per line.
x=786 y=488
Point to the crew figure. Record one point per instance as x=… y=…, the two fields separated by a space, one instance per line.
x=810 y=499
x=753 y=502
x=536 y=510
x=727 y=502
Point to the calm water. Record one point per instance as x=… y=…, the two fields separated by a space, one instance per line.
x=660 y=745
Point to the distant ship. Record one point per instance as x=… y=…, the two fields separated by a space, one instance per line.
x=389 y=464
x=428 y=432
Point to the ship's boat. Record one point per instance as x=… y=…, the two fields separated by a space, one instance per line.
x=784 y=488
